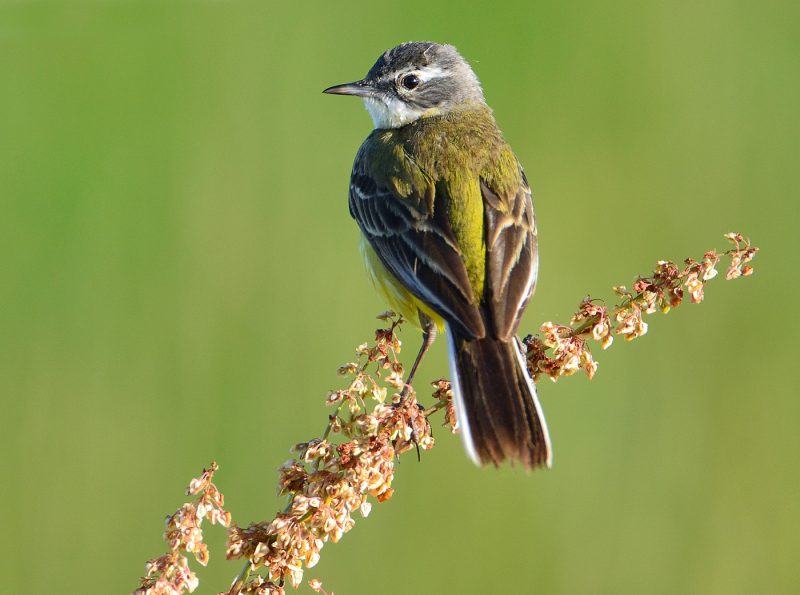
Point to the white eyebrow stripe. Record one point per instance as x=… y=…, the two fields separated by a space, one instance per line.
x=427 y=73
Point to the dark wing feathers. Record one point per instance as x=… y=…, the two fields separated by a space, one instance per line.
x=413 y=239
x=418 y=251
x=512 y=258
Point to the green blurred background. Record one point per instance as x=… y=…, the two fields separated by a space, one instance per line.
x=179 y=280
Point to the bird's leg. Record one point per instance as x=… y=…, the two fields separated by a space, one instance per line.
x=428 y=337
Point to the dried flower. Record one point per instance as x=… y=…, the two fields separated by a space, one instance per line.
x=170 y=574
x=562 y=350
x=376 y=418
x=334 y=476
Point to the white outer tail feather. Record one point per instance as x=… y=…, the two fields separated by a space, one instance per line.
x=458 y=397
x=535 y=396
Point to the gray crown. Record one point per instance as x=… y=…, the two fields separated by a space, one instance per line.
x=456 y=83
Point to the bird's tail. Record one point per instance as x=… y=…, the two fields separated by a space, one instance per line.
x=496 y=404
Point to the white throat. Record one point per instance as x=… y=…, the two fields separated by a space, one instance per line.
x=394 y=114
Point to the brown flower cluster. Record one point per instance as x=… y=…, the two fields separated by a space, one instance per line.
x=330 y=479
x=562 y=350
x=170 y=574
x=443 y=396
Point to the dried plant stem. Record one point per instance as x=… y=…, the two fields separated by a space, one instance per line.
x=242 y=577
x=333 y=476
x=563 y=349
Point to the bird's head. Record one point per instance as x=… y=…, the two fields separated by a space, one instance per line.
x=415 y=80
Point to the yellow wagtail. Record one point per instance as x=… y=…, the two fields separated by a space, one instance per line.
x=449 y=237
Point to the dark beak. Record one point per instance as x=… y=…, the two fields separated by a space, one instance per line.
x=358 y=88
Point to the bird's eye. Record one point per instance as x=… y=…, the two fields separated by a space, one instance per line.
x=410 y=81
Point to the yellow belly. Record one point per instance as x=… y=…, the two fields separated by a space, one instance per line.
x=397 y=296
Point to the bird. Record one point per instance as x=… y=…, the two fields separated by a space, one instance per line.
x=448 y=235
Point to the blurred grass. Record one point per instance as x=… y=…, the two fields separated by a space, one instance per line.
x=180 y=280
